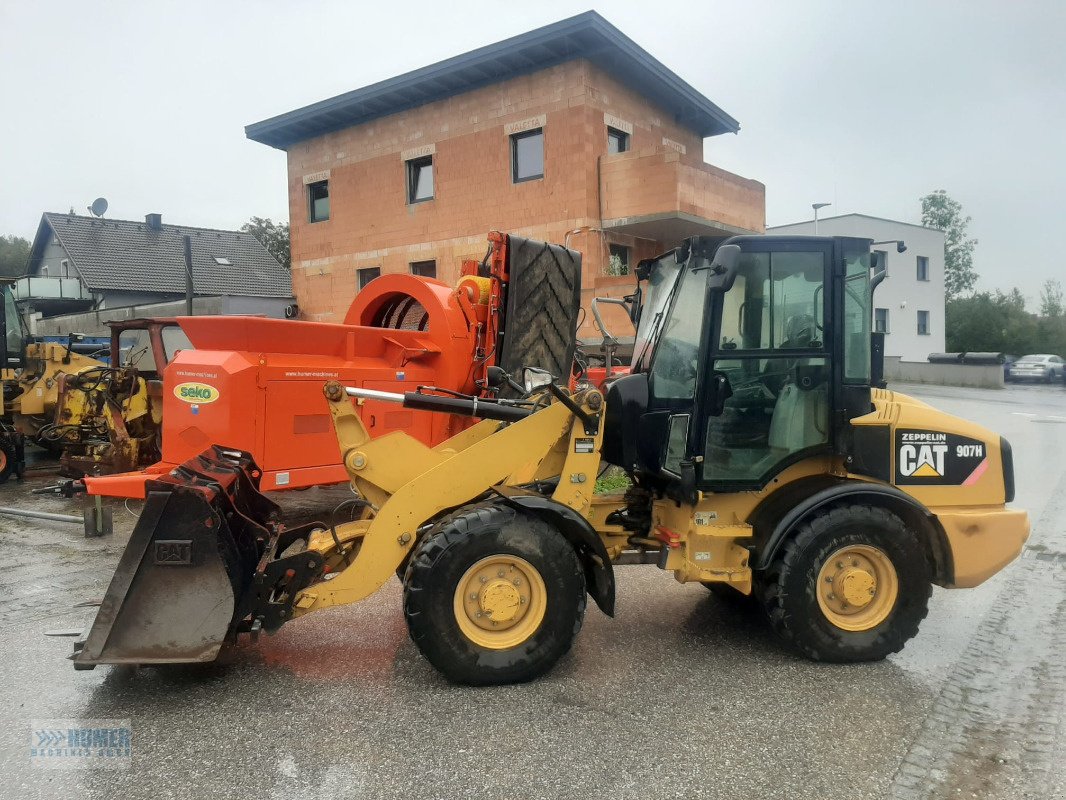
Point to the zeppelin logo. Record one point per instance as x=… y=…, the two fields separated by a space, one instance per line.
x=198 y=393
x=173 y=552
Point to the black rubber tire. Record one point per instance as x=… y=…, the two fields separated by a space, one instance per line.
x=543 y=303
x=443 y=557
x=789 y=595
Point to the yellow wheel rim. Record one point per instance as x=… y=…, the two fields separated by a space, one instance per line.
x=500 y=602
x=857 y=587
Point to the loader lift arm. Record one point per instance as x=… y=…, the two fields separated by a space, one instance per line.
x=226 y=528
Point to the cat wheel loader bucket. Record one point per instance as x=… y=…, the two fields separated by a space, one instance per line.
x=192 y=559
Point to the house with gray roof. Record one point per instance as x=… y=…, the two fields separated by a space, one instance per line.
x=80 y=263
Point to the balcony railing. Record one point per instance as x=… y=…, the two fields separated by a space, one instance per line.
x=48 y=288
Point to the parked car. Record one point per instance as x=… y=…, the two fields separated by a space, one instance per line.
x=1038 y=367
x=1008 y=362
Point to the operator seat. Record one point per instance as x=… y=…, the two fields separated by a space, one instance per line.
x=801 y=416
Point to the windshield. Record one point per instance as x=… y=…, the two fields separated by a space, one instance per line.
x=663 y=275
x=1032 y=360
x=136 y=348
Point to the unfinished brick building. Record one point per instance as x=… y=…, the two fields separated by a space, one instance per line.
x=569 y=133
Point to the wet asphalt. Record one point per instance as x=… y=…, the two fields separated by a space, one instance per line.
x=680 y=695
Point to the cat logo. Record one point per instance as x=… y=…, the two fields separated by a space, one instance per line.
x=922 y=460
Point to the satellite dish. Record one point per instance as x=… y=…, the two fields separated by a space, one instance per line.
x=98 y=207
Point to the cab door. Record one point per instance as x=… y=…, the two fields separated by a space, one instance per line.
x=14 y=334
x=765 y=398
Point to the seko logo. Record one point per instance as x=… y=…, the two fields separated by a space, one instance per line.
x=196 y=393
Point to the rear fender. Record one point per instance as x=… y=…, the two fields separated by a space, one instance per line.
x=599 y=574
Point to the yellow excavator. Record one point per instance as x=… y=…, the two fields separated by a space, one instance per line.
x=763 y=455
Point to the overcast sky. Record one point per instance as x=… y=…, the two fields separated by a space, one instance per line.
x=864 y=105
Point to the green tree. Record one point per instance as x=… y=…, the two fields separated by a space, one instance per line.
x=274 y=236
x=942 y=212
x=991 y=322
x=1051 y=299
x=14 y=254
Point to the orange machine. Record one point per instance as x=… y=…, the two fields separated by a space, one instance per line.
x=256 y=384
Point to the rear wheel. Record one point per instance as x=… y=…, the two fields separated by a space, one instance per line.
x=492 y=596
x=852 y=584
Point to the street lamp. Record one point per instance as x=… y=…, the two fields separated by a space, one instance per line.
x=816 y=206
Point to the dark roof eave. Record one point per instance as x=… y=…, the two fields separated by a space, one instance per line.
x=587 y=35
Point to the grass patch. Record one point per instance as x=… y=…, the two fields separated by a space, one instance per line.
x=614 y=479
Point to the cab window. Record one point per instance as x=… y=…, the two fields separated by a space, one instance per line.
x=674 y=366
x=772 y=351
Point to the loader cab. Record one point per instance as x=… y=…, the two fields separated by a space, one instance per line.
x=752 y=353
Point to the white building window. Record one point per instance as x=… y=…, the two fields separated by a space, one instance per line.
x=881 y=320
x=923 y=268
x=923 y=323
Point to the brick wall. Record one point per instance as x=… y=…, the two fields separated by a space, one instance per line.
x=371 y=224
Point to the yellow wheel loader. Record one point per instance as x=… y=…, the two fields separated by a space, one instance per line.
x=764 y=458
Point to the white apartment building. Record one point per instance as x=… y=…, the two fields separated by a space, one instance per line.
x=909 y=303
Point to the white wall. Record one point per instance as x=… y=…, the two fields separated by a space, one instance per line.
x=901 y=292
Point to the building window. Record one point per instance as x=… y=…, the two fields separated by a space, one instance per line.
x=879 y=261
x=420 y=179
x=527 y=155
x=65 y=265
x=617 y=141
x=618 y=260
x=923 y=268
x=318 y=201
x=367 y=274
x=881 y=320
x=427 y=269
x=923 y=323
x=223 y=262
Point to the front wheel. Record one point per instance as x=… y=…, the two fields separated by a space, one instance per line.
x=492 y=596
x=852 y=584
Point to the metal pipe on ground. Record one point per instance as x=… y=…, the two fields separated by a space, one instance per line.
x=98 y=520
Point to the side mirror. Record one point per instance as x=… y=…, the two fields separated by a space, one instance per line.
x=633 y=305
x=724 y=267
